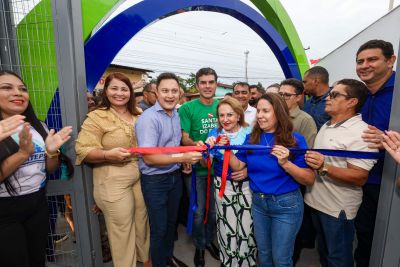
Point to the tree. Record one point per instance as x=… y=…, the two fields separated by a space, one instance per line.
x=182 y=83
x=191 y=83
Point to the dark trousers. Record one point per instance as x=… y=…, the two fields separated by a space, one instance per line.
x=23 y=230
x=162 y=194
x=307 y=233
x=365 y=224
x=335 y=239
x=203 y=234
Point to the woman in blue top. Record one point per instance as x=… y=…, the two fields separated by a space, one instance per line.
x=234 y=222
x=275 y=177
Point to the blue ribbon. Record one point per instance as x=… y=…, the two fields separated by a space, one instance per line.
x=192 y=202
x=326 y=152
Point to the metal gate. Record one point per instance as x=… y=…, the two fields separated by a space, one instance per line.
x=32 y=34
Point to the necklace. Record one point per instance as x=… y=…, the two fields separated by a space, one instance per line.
x=270 y=140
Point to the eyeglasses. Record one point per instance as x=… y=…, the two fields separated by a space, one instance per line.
x=287 y=96
x=334 y=94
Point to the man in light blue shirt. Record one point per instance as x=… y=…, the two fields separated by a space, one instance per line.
x=159 y=126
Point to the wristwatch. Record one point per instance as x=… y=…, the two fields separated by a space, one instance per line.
x=323 y=170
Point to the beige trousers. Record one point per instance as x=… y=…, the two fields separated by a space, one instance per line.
x=121 y=200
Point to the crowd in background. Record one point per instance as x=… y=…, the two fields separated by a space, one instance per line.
x=273 y=203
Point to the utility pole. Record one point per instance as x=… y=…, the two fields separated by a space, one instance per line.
x=246 y=54
x=391 y=4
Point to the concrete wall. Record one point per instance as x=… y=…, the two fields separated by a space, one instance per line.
x=341 y=62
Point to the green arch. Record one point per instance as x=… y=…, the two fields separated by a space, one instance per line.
x=276 y=14
x=38 y=59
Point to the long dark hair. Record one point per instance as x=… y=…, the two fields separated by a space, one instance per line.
x=283 y=134
x=10 y=147
x=105 y=103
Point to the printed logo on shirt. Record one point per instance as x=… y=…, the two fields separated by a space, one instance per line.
x=31 y=175
x=210 y=115
x=38 y=156
x=208 y=124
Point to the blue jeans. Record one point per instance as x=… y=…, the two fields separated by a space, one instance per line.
x=335 y=239
x=277 y=219
x=162 y=194
x=203 y=234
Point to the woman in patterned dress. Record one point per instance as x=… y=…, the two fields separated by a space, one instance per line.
x=234 y=220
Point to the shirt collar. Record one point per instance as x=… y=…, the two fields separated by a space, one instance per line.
x=249 y=108
x=159 y=108
x=388 y=85
x=316 y=99
x=345 y=123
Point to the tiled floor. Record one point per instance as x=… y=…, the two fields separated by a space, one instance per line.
x=184 y=250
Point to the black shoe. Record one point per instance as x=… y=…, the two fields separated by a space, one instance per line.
x=199 y=258
x=174 y=262
x=214 y=251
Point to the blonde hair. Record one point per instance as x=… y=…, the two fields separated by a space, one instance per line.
x=237 y=108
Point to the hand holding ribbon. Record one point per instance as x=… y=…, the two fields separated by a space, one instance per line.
x=282 y=154
x=191 y=157
x=314 y=159
x=117 y=155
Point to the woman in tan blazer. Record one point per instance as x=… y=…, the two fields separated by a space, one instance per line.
x=105 y=136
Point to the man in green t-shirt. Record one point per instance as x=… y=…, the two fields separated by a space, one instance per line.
x=198 y=117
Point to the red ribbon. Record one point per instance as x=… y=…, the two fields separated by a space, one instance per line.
x=167 y=149
x=225 y=166
x=182 y=149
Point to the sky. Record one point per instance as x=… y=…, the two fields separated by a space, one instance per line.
x=185 y=42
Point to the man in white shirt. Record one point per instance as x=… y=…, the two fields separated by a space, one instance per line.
x=336 y=194
x=241 y=91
